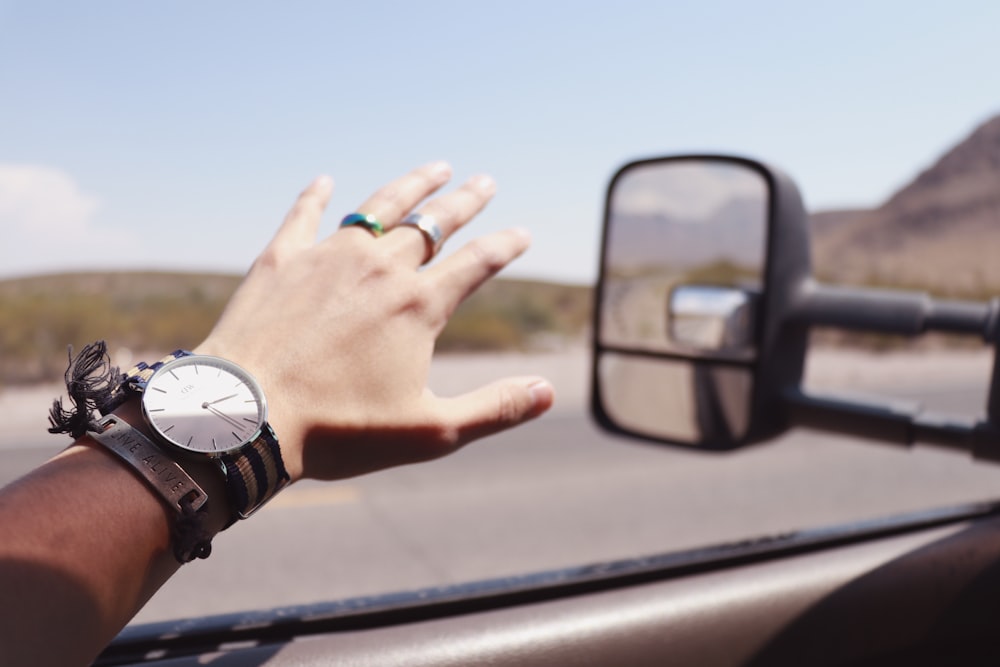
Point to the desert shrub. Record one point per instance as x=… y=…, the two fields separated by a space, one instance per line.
x=159 y=312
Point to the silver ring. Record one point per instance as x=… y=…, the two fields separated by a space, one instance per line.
x=429 y=226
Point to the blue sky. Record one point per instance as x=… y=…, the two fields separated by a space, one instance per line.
x=176 y=134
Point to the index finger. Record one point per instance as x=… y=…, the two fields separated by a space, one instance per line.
x=300 y=225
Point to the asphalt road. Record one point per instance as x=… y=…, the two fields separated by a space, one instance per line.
x=554 y=493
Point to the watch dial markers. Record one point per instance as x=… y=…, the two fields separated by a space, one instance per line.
x=201 y=411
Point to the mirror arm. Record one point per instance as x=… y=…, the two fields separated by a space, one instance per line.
x=903 y=313
x=891 y=311
x=891 y=422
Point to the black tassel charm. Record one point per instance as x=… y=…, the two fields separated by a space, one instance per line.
x=92 y=384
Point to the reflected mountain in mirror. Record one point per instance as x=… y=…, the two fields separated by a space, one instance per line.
x=683 y=222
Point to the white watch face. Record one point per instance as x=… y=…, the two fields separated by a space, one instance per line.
x=204 y=404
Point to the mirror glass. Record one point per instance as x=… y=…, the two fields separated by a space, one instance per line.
x=683 y=269
x=712 y=318
x=674 y=399
x=697 y=222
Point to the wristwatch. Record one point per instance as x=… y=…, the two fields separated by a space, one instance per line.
x=207 y=407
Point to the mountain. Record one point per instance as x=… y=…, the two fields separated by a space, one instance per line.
x=941 y=232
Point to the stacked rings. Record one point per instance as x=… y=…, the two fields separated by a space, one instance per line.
x=368 y=221
x=429 y=227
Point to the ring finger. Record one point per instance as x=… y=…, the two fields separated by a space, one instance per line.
x=391 y=202
x=450 y=212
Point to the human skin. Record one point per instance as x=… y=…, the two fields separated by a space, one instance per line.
x=339 y=332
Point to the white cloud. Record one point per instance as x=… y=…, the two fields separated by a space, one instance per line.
x=47 y=222
x=43 y=202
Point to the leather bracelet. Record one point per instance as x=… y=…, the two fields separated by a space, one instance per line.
x=181 y=493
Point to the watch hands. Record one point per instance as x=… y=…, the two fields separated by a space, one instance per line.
x=225 y=398
x=218 y=413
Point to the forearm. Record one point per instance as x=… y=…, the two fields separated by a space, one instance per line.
x=338 y=334
x=86 y=544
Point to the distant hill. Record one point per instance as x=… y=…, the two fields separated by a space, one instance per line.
x=153 y=313
x=941 y=232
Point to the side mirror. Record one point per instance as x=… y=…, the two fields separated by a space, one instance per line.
x=704 y=305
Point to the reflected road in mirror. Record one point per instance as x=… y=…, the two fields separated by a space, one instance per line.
x=683 y=401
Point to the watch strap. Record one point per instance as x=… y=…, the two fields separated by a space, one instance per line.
x=137 y=376
x=254 y=473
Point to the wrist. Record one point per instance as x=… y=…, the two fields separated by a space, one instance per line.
x=280 y=419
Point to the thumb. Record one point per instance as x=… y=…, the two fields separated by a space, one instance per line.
x=498 y=406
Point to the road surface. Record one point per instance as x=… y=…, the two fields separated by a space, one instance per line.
x=555 y=493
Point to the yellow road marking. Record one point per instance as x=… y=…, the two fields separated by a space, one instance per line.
x=316 y=496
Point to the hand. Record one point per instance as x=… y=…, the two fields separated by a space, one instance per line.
x=340 y=331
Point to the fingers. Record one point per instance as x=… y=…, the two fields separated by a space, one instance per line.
x=391 y=202
x=457 y=276
x=450 y=211
x=302 y=222
x=498 y=406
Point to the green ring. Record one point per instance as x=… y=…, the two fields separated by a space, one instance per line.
x=368 y=221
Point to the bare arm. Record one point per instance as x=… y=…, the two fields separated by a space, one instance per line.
x=339 y=331
x=85 y=544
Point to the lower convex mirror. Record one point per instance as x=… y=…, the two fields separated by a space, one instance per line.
x=677 y=328
x=683 y=401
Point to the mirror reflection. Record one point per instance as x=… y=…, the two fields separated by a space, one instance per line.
x=712 y=318
x=683 y=222
x=695 y=403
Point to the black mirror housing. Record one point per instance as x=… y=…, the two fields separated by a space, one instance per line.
x=783 y=345
x=726 y=400
x=698 y=379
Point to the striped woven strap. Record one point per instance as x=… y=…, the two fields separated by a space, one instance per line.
x=139 y=375
x=255 y=473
